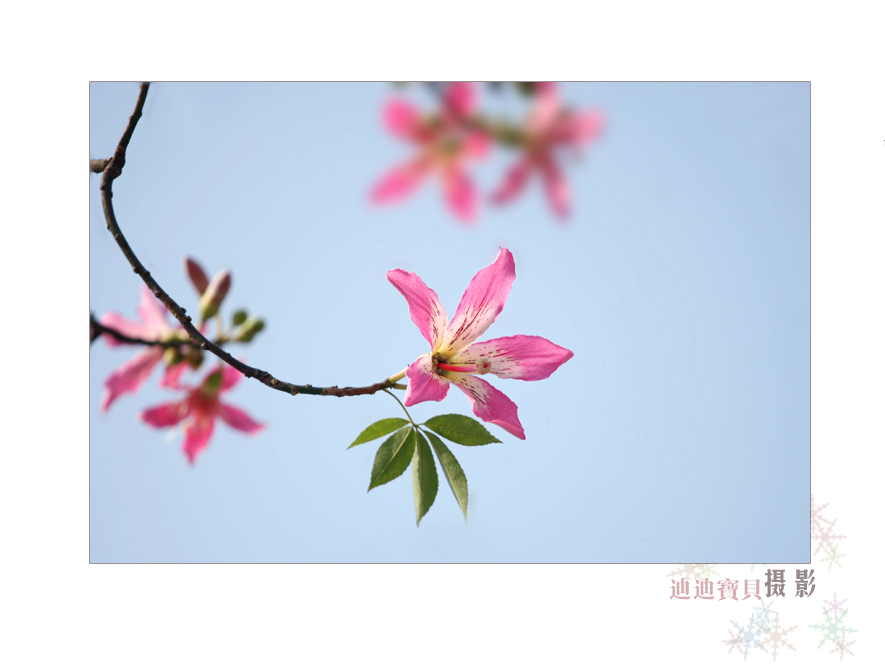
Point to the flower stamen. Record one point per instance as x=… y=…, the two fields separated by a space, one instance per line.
x=483 y=366
x=470 y=369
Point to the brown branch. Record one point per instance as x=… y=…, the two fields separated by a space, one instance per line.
x=97 y=329
x=113 y=169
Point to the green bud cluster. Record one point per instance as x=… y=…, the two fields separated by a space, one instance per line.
x=249 y=328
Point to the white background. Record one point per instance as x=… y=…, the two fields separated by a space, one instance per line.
x=57 y=607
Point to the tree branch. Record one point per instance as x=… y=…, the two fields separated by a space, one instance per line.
x=97 y=329
x=112 y=170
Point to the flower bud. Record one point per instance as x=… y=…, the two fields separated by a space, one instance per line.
x=176 y=335
x=172 y=356
x=195 y=358
x=249 y=329
x=239 y=317
x=214 y=294
x=196 y=274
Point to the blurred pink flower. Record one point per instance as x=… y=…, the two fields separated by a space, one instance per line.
x=456 y=356
x=444 y=146
x=200 y=407
x=548 y=128
x=129 y=376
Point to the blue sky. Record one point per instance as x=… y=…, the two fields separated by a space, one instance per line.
x=679 y=431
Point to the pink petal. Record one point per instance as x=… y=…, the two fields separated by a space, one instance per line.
x=546 y=107
x=525 y=357
x=152 y=312
x=132 y=329
x=556 y=187
x=230 y=376
x=173 y=374
x=579 y=128
x=513 y=183
x=129 y=376
x=461 y=98
x=238 y=419
x=402 y=118
x=489 y=403
x=476 y=145
x=424 y=307
x=481 y=303
x=424 y=385
x=459 y=193
x=196 y=436
x=165 y=415
x=399 y=182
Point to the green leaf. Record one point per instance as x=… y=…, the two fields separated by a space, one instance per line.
x=425 y=482
x=379 y=429
x=393 y=457
x=461 y=429
x=452 y=471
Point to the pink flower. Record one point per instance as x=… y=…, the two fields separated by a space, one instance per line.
x=200 y=407
x=456 y=356
x=444 y=146
x=549 y=127
x=129 y=376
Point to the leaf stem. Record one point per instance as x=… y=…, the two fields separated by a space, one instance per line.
x=402 y=405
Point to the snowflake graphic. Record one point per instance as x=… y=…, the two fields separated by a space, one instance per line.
x=763 y=615
x=842 y=647
x=697 y=571
x=822 y=529
x=749 y=638
x=836 y=606
x=818 y=521
x=708 y=569
x=736 y=640
x=777 y=637
x=744 y=638
x=826 y=540
x=832 y=558
x=832 y=626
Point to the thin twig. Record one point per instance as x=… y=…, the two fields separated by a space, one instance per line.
x=403 y=406
x=97 y=329
x=113 y=169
